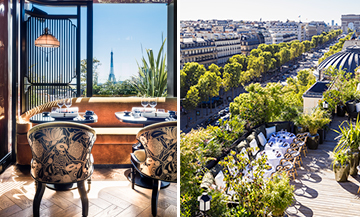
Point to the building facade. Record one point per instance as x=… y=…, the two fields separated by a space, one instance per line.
x=198 y=50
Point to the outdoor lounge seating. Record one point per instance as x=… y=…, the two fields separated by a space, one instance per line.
x=61 y=154
x=158 y=159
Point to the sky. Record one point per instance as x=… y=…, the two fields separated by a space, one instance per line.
x=308 y=10
x=123 y=28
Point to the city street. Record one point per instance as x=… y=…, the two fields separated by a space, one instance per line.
x=308 y=60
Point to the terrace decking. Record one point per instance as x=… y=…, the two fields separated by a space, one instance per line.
x=110 y=195
x=316 y=191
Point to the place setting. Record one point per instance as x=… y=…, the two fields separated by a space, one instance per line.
x=146 y=115
x=65 y=114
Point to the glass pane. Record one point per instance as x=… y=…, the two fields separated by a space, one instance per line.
x=122 y=33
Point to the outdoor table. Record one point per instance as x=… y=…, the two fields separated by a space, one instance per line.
x=273 y=160
x=273 y=156
x=279 y=145
x=129 y=118
x=39 y=119
x=283 y=136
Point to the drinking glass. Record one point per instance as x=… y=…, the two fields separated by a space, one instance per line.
x=153 y=102
x=68 y=102
x=144 y=102
x=60 y=102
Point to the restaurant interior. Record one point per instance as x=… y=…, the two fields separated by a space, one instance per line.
x=65 y=151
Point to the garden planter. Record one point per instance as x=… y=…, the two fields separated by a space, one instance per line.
x=340 y=110
x=321 y=133
x=299 y=129
x=354 y=162
x=341 y=172
x=312 y=141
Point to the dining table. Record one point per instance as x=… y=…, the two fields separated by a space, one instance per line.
x=46 y=118
x=274 y=149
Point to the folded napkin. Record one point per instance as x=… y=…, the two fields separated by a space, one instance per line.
x=155 y=115
x=63 y=115
x=142 y=110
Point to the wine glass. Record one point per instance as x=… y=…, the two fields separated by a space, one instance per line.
x=145 y=102
x=60 y=102
x=68 y=102
x=153 y=102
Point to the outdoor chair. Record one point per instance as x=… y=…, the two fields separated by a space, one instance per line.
x=286 y=166
x=61 y=154
x=295 y=154
x=158 y=159
x=302 y=137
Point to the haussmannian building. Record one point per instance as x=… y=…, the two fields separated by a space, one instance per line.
x=202 y=51
x=227 y=45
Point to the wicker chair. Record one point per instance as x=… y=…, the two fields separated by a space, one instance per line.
x=61 y=154
x=158 y=159
x=302 y=137
x=286 y=166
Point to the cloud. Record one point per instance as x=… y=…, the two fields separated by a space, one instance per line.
x=129 y=38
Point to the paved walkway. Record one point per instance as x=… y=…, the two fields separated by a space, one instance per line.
x=316 y=191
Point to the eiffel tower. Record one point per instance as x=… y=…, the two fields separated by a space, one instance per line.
x=112 y=75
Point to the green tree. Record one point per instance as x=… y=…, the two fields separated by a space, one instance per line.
x=239 y=58
x=83 y=73
x=284 y=55
x=231 y=77
x=192 y=98
x=210 y=82
x=257 y=64
x=268 y=60
x=307 y=45
x=214 y=68
x=190 y=75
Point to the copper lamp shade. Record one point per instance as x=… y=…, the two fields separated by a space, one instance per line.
x=47 y=40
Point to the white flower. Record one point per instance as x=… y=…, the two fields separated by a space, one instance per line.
x=53 y=135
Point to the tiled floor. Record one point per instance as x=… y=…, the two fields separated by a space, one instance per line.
x=110 y=195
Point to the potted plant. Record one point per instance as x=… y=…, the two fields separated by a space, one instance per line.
x=341 y=166
x=279 y=194
x=152 y=78
x=349 y=139
x=313 y=123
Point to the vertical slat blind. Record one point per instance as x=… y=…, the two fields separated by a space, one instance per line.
x=51 y=72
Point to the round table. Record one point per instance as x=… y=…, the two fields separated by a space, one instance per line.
x=140 y=120
x=40 y=118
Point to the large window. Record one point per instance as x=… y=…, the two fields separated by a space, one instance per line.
x=123 y=32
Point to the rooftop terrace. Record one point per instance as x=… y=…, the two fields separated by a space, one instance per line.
x=316 y=191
